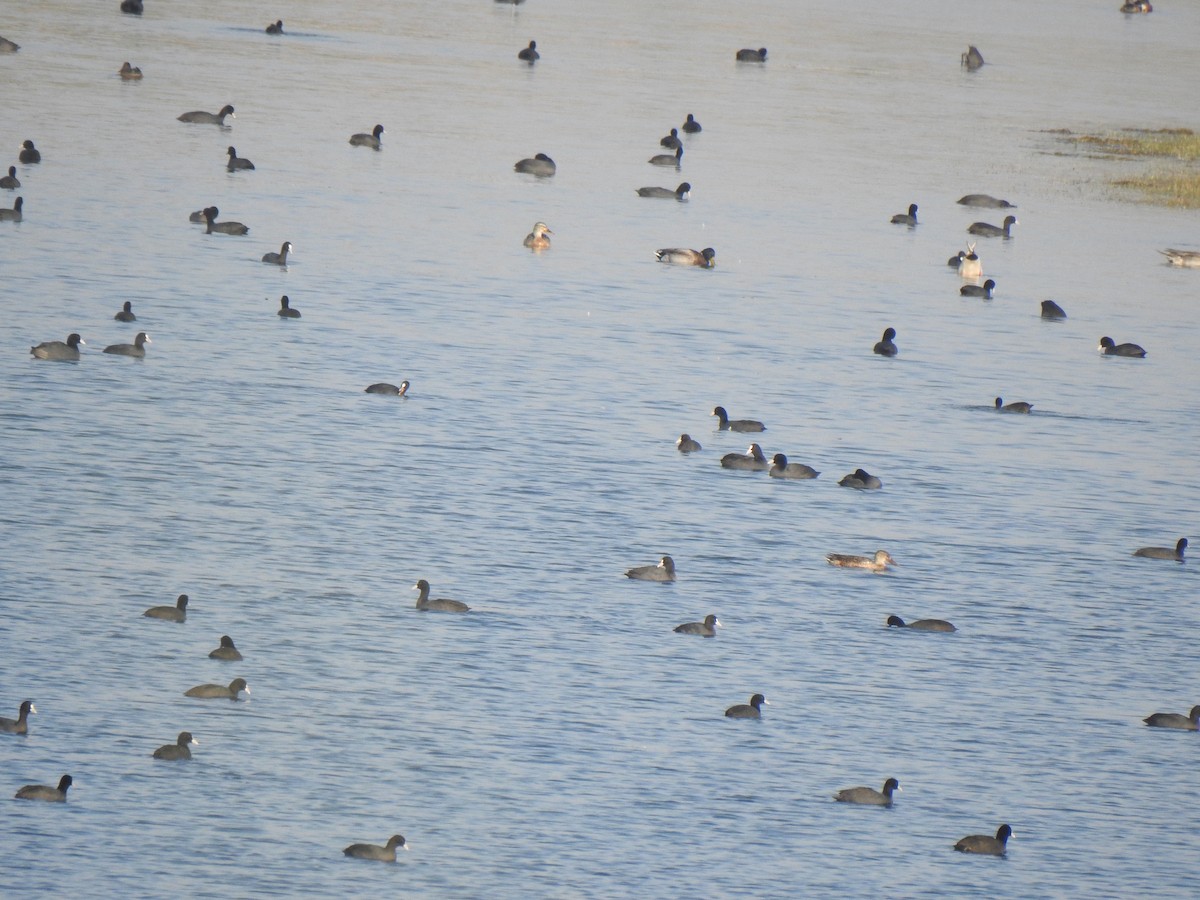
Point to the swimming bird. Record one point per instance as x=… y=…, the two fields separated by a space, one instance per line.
x=440 y=605
x=237 y=162
x=970 y=266
x=177 y=750
x=126 y=313
x=862 y=480
x=664 y=571
x=200 y=117
x=275 y=27
x=130 y=72
x=986 y=200
x=680 y=193
x=921 y=624
x=536 y=239
x=29 y=153
x=218 y=691
x=136 y=349
x=982 y=843
x=10 y=182
x=671 y=141
x=748 y=55
x=7 y=46
x=668 y=159
x=987 y=230
x=132 y=7
x=285 y=309
x=877 y=563
x=529 y=54
x=975 y=290
x=20 y=725
x=781 y=468
x=686 y=444
x=751 y=710
x=956 y=259
x=972 y=59
x=1175 y=553
x=1051 y=310
x=752 y=460
x=724 y=423
x=1190 y=722
x=540 y=165
x=45 y=792
x=707 y=628
x=386 y=853
x=691 y=126
x=215 y=227
x=1137 y=6
x=680 y=256
x=368 y=140
x=1187 y=258
x=869 y=796
x=176 y=613
x=1109 y=348
x=909 y=218
x=383 y=387
x=57 y=349
x=886 y=345
x=280 y=258
x=1017 y=406
x=227 y=651
x=16 y=214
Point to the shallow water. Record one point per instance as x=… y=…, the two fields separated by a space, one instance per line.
x=559 y=740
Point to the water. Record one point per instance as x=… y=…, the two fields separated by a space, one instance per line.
x=560 y=740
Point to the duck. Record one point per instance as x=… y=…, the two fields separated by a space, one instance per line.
x=970 y=266
x=1051 y=310
x=215 y=227
x=886 y=346
x=982 y=843
x=1190 y=722
x=748 y=55
x=921 y=624
x=536 y=239
x=58 y=350
x=177 y=750
x=745 y=426
x=540 y=165
x=909 y=218
x=1189 y=259
x=130 y=72
x=866 y=796
x=367 y=140
x=20 y=725
x=275 y=27
x=686 y=444
x=984 y=229
x=680 y=193
x=680 y=256
x=132 y=7
x=861 y=480
x=280 y=258
x=45 y=792
x=237 y=162
x=781 y=468
x=751 y=710
x=707 y=628
x=29 y=154
x=386 y=853
x=126 y=313
x=1175 y=553
x=972 y=59
x=668 y=159
x=529 y=54
x=752 y=460
x=1017 y=406
x=440 y=605
x=136 y=349
x=10 y=182
x=671 y=141
x=200 y=117
x=16 y=214
x=176 y=613
x=382 y=387
x=219 y=691
x=663 y=572
x=985 y=200
x=691 y=126
x=227 y=651
x=285 y=309
x=1110 y=348
x=877 y=563
x=974 y=290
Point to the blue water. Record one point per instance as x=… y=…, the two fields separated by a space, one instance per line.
x=560 y=740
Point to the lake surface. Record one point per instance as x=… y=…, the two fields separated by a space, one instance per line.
x=559 y=740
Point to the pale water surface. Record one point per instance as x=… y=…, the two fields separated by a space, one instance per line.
x=559 y=740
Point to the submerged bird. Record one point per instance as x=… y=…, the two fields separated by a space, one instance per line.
x=970 y=266
x=1109 y=348
x=972 y=59
x=680 y=193
x=886 y=345
x=29 y=154
x=707 y=628
x=1187 y=258
x=45 y=792
x=176 y=613
x=227 y=651
x=974 y=290
x=671 y=141
x=540 y=165
x=129 y=72
x=382 y=387
x=921 y=624
x=280 y=258
x=752 y=460
x=877 y=563
x=386 y=853
x=1051 y=310
x=200 y=117
x=686 y=444
x=58 y=349
x=536 y=239
x=237 y=162
x=529 y=54
x=440 y=605
x=664 y=571
x=285 y=309
x=20 y=725
x=126 y=313
x=1017 y=406
x=680 y=256
x=908 y=218
x=724 y=423
x=1190 y=722
x=986 y=200
x=668 y=159
x=869 y=796
x=218 y=691
x=781 y=468
x=1175 y=553
x=748 y=55
x=987 y=230
x=751 y=710
x=177 y=750
x=368 y=140
x=861 y=480
x=136 y=349
x=215 y=227
x=10 y=182
x=16 y=214
x=982 y=843
x=691 y=126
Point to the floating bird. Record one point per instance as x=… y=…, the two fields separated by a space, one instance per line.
x=215 y=227
x=285 y=309
x=441 y=605
x=10 y=182
x=974 y=290
x=540 y=165
x=1175 y=553
x=45 y=792
x=886 y=345
x=970 y=265
x=685 y=444
x=862 y=480
x=781 y=468
x=58 y=350
x=869 y=796
x=177 y=750
x=176 y=613
x=751 y=710
x=1109 y=348
x=530 y=53
x=136 y=349
x=383 y=387
x=16 y=214
x=129 y=72
x=680 y=193
x=679 y=256
x=1187 y=258
x=132 y=7
x=1051 y=310
x=1017 y=406
x=664 y=571
x=368 y=140
x=724 y=423
x=386 y=853
x=691 y=126
x=1190 y=722
x=972 y=59
x=200 y=117
x=29 y=154
x=227 y=651
x=536 y=239
x=986 y=230
x=909 y=218
x=668 y=159
x=982 y=843
x=275 y=27
x=280 y=258
x=126 y=313
x=752 y=460
x=707 y=628
x=920 y=624
x=7 y=46
x=671 y=141
x=237 y=162
x=986 y=200
x=748 y=55
x=20 y=725
x=877 y=563
x=218 y=691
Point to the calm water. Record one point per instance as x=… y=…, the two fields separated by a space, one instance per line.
x=560 y=740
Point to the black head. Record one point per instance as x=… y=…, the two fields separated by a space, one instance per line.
x=1181 y=545
x=28 y=145
x=708 y=252
x=1107 y=342
x=912 y=209
x=862 y=473
x=757 y=701
x=889 y=334
x=543 y=157
x=396 y=840
x=890 y=785
x=210 y=213
x=684 y=188
x=227 y=642
x=690 y=118
x=12 y=171
x=65 y=782
x=185 y=738
x=895 y=622
x=377 y=131
x=128 y=307
x=533 y=45
x=989 y=285
x=238 y=684
x=182 y=601
x=226 y=110
x=27 y=707
x=999 y=402
x=73 y=340
x=710 y=620
x=1003 y=833
x=283 y=302
x=1010 y=220
x=719 y=411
